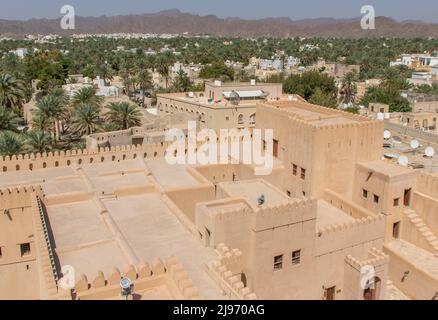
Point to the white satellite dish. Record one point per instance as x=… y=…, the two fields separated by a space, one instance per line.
x=429 y=152
x=414 y=144
x=403 y=161
x=387 y=134
x=380 y=116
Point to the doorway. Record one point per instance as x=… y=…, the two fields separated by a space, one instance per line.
x=373 y=290
x=275 y=149
x=396 y=230
x=330 y=293
x=407 y=197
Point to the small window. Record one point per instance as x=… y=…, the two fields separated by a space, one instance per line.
x=288 y=193
x=296 y=257
x=396 y=202
x=303 y=173
x=294 y=169
x=1 y=252
x=376 y=199
x=227 y=118
x=25 y=249
x=278 y=262
x=365 y=193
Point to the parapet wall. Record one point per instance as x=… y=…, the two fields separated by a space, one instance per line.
x=346 y=205
x=145 y=276
x=347 y=235
x=226 y=271
x=296 y=211
x=80 y=157
x=45 y=255
x=11 y=198
x=427 y=184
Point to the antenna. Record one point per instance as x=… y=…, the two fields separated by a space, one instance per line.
x=429 y=152
x=387 y=134
x=403 y=161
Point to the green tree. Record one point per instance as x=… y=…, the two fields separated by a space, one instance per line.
x=348 y=88
x=38 y=141
x=12 y=91
x=86 y=95
x=217 y=70
x=9 y=120
x=323 y=99
x=181 y=82
x=306 y=84
x=10 y=144
x=123 y=115
x=144 y=81
x=86 y=119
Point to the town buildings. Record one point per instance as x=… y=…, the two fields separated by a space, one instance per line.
x=331 y=211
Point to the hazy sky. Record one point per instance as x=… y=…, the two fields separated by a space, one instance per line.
x=426 y=10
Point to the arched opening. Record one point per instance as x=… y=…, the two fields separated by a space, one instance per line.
x=240 y=119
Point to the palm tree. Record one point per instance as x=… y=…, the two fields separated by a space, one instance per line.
x=163 y=68
x=86 y=119
x=182 y=81
x=10 y=143
x=12 y=91
x=62 y=114
x=38 y=141
x=144 y=81
x=50 y=109
x=86 y=95
x=9 y=120
x=124 y=115
x=348 y=88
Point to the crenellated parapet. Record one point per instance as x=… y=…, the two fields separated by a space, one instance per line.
x=45 y=254
x=346 y=235
x=19 y=197
x=144 y=277
x=34 y=161
x=294 y=211
x=376 y=258
x=226 y=271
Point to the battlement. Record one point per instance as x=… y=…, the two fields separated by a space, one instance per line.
x=226 y=271
x=377 y=258
x=18 y=197
x=295 y=211
x=169 y=277
x=68 y=158
x=346 y=235
x=45 y=255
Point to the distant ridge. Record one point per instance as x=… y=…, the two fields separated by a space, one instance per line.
x=176 y=22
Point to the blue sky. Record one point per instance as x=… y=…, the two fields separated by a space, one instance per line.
x=426 y=10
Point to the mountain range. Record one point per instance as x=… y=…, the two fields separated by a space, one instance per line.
x=176 y=22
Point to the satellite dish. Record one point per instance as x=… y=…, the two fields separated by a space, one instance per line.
x=403 y=161
x=380 y=116
x=125 y=285
x=414 y=144
x=429 y=152
x=387 y=134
